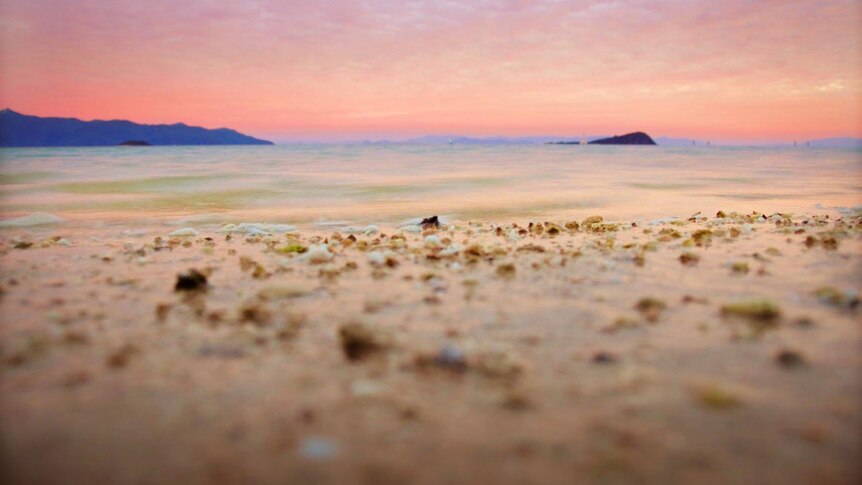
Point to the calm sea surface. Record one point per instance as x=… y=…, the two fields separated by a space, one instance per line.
x=358 y=184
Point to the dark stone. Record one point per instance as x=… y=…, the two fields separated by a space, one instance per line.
x=430 y=222
x=789 y=359
x=191 y=280
x=603 y=357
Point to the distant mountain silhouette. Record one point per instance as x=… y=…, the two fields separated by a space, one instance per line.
x=19 y=130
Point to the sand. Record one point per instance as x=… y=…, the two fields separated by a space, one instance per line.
x=704 y=349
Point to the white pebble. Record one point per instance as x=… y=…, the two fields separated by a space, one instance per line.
x=318 y=254
x=433 y=242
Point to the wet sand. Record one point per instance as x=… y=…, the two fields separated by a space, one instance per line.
x=704 y=349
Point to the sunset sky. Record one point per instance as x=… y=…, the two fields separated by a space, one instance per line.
x=349 y=69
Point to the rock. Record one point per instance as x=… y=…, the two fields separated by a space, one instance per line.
x=689 y=259
x=191 y=280
x=506 y=270
x=602 y=357
x=716 y=398
x=318 y=254
x=359 y=341
x=430 y=222
x=452 y=358
x=756 y=310
x=433 y=242
x=789 y=359
x=650 y=308
x=120 y=358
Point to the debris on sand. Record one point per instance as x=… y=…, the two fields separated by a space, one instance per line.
x=255 y=314
x=758 y=310
x=191 y=280
x=506 y=270
x=689 y=258
x=359 y=340
x=603 y=357
x=716 y=398
x=621 y=323
x=318 y=254
x=292 y=248
x=650 y=308
x=790 y=359
x=120 y=357
x=452 y=358
x=430 y=223
x=432 y=241
x=517 y=400
x=702 y=237
x=497 y=365
x=837 y=298
x=489 y=364
x=739 y=267
x=283 y=291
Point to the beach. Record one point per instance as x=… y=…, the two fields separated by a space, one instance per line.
x=709 y=347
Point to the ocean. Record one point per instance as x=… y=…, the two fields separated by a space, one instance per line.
x=331 y=185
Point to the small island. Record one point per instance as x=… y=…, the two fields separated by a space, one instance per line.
x=135 y=143
x=636 y=138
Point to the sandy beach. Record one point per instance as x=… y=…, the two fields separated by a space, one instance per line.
x=710 y=348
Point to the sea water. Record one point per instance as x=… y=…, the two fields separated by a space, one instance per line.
x=331 y=185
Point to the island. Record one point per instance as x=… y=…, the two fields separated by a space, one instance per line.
x=20 y=130
x=636 y=138
x=135 y=143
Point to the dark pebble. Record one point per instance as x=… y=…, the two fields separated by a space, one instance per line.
x=789 y=359
x=604 y=358
x=191 y=280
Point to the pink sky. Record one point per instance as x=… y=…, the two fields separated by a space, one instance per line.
x=347 y=69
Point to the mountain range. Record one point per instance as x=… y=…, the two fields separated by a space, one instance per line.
x=20 y=130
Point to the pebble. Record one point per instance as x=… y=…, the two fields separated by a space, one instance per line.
x=451 y=357
x=433 y=242
x=318 y=254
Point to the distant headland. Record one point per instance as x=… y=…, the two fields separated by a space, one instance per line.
x=636 y=138
x=20 y=130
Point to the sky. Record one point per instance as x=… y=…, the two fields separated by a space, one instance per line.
x=286 y=70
